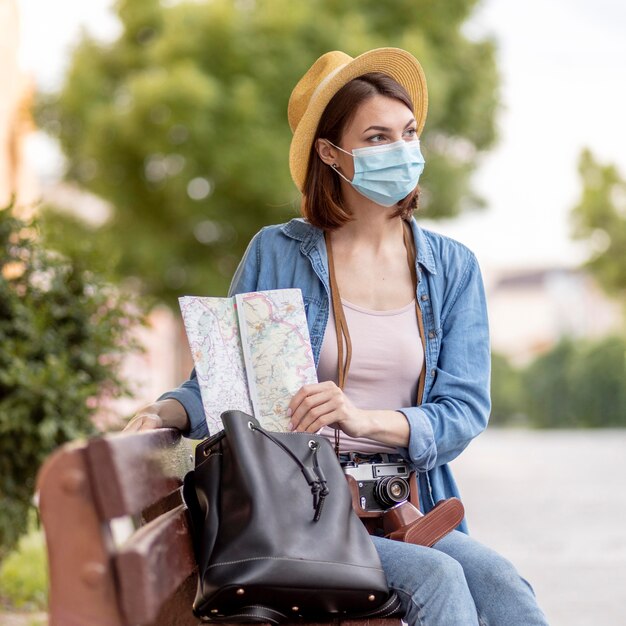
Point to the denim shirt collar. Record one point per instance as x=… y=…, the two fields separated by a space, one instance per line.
x=310 y=237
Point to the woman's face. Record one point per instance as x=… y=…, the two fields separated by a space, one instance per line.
x=379 y=120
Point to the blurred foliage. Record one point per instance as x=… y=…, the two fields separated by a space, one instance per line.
x=577 y=384
x=63 y=332
x=507 y=398
x=600 y=217
x=181 y=123
x=24 y=575
x=80 y=242
x=548 y=386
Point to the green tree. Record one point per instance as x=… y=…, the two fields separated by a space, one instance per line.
x=180 y=123
x=62 y=335
x=600 y=217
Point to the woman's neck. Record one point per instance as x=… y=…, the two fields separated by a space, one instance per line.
x=371 y=227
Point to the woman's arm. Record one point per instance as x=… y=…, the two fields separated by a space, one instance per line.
x=458 y=403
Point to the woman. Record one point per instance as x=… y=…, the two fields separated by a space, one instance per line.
x=397 y=320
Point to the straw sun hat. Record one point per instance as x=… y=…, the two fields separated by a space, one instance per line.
x=327 y=76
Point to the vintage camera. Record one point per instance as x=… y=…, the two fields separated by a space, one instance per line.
x=381 y=485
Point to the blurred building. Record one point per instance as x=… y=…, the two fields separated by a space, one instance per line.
x=529 y=311
x=16 y=94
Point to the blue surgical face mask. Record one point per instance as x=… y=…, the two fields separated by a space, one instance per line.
x=386 y=174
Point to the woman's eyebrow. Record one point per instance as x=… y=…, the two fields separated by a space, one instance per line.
x=385 y=129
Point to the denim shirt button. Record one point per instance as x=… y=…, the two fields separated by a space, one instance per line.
x=431 y=334
x=424 y=297
x=432 y=372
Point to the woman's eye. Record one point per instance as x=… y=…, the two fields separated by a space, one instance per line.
x=376 y=138
x=410 y=132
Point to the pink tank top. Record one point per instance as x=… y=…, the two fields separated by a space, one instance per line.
x=387 y=358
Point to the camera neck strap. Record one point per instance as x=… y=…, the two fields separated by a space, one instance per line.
x=341 y=325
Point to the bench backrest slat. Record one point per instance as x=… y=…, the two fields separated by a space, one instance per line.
x=82 y=585
x=130 y=473
x=152 y=564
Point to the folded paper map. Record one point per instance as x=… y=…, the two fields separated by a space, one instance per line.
x=252 y=353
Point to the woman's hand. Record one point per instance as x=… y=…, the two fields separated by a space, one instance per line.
x=162 y=414
x=325 y=404
x=145 y=419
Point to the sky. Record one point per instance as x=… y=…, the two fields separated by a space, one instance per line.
x=562 y=70
x=562 y=66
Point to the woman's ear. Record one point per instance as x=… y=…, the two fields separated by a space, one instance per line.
x=326 y=152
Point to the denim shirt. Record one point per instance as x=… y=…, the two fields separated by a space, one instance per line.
x=450 y=294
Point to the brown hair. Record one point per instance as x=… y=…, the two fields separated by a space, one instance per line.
x=322 y=204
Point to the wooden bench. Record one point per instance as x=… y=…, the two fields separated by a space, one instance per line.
x=117 y=534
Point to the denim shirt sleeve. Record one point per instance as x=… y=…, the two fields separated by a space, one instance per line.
x=457 y=405
x=188 y=394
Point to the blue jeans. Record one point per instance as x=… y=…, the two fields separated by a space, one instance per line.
x=457 y=582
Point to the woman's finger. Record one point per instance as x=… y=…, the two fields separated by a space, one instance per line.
x=318 y=417
x=305 y=391
x=323 y=415
x=308 y=404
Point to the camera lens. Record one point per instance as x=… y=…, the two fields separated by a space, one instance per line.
x=390 y=490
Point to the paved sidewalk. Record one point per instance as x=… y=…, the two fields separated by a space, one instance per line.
x=554 y=502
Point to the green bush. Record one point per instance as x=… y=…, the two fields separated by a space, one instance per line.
x=63 y=332
x=24 y=574
x=578 y=384
x=507 y=396
x=547 y=385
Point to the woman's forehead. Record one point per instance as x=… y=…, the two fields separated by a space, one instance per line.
x=380 y=111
